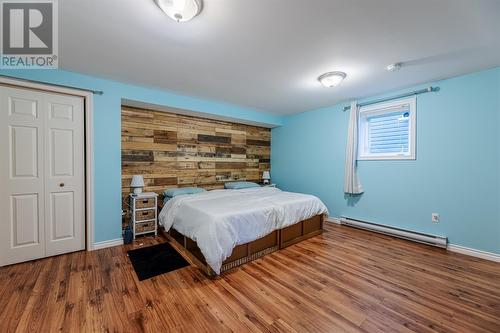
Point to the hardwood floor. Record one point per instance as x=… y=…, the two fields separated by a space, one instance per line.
x=344 y=280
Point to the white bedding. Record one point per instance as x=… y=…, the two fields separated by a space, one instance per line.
x=219 y=220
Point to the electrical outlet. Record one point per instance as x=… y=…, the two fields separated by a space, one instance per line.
x=435 y=217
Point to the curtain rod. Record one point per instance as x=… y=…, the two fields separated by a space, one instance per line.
x=96 y=92
x=416 y=92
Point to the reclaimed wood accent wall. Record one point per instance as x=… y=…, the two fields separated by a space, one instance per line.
x=173 y=150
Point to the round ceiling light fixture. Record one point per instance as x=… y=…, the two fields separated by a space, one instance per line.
x=180 y=10
x=332 y=79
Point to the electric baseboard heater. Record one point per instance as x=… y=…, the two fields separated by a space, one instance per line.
x=400 y=233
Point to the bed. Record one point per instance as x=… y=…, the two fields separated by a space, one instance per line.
x=222 y=229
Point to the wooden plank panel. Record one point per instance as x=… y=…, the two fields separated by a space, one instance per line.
x=165 y=181
x=165 y=136
x=172 y=150
x=230 y=165
x=263 y=143
x=213 y=138
x=137 y=156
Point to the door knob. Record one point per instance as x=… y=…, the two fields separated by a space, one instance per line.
x=61 y=185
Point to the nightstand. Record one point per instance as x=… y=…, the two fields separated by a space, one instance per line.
x=268 y=185
x=144 y=213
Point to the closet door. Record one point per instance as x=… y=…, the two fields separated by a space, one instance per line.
x=41 y=174
x=64 y=174
x=22 y=192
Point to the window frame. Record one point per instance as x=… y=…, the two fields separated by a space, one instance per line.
x=380 y=109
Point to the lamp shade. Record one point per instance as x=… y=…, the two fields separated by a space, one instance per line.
x=137 y=181
x=266 y=175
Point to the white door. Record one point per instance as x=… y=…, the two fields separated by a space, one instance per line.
x=41 y=174
x=64 y=174
x=22 y=204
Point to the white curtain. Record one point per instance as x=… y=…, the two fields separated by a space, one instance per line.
x=351 y=181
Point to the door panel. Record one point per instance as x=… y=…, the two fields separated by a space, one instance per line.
x=41 y=174
x=22 y=198
x=61 y=153
x=23 y=107
x=61 y=111
x=62 y=216
x=23 y=151
x=24 y=220
x=64 y=177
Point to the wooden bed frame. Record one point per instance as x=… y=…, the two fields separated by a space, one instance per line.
x=244 y=253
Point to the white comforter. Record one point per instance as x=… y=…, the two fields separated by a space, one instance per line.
x=219 y=220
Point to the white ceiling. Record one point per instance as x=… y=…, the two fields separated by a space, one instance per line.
x=267 y=54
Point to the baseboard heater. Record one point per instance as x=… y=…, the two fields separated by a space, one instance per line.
x=396 y=232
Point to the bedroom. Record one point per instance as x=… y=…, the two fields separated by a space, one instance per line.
x=224 y=165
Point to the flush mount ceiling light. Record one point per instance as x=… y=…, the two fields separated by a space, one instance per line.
x=332 y=79
x=180 y=10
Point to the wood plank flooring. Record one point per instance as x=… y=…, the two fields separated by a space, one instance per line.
x=344 y=280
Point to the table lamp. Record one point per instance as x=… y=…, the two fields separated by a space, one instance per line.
x=137 y=183
x=266 y=176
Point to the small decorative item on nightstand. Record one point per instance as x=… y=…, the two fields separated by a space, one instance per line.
x=144 y=213
x=266 y=176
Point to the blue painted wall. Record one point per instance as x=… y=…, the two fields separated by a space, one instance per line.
x=107 y=133
x=456 y=172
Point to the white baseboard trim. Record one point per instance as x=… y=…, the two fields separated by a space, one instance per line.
x=335 y=220
x=108 y=243
x=474 y=253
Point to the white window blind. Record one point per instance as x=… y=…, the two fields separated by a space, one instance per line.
x=387 y=131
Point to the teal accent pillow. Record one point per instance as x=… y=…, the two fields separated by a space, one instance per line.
x=183 y=190
x=240 y=185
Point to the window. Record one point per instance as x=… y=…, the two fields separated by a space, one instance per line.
x=387 y=131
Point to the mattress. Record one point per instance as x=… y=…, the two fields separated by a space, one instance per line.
x=220 y=220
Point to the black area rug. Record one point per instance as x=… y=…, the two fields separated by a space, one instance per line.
x=155 y=260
